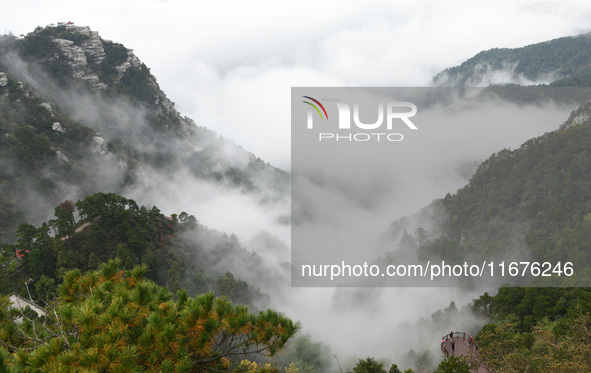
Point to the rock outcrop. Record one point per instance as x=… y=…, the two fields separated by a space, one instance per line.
x=47 y=107
x=579 y=116
x=98 y=145
x=83 y=55
x=62 y=157
x=74 y=54
x=57 y=127
x=84 y=58
x=3 y=79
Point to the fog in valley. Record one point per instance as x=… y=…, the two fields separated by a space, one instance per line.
x=219 y=97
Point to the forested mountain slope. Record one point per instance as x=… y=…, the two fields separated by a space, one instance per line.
x=80 y=115
x=531 y=203
x=177 y=250
x=562 y=62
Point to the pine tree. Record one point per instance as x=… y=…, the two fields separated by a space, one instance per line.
x=111 y=320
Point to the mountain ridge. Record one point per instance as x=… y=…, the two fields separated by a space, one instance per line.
x=94 y=105
x=563 y=61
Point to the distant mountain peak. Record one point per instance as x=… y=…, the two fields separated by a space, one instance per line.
x=564 y=61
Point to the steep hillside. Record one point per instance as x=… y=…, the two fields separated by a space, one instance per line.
x=563 y=62
x=82 y=115
x=531 y=203
x=179 y=252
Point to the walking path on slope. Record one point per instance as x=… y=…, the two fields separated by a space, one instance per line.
x=462 y=348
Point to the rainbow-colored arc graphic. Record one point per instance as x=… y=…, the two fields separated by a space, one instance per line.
x=316 y=107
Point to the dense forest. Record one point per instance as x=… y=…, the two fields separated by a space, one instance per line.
x=561 y=62
x=535 y=197
x=536 y=329
x=178 y=251
x=532 y=203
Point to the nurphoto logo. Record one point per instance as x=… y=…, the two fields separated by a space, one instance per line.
x=315 y=107
x=389 y=112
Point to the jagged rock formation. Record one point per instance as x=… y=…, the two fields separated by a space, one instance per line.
x=75 y=55
x=57 y=127
x=91 y=65
x=83 y=57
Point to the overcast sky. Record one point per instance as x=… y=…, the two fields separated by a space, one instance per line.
x=229 y=65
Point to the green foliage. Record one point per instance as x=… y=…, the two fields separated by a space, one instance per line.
x=580 y=78
x=534 y=198
x=394 y=369
x=31 y=151
x=527 y=307
x=45 y=288
x=420 y=361
x=234 y=289
x=482 y=305
x=454 y=364
x=504 y=348
x=564 y=57
x=28 y=161
x=64 y=222
x=38 y=44
x=138 y=84
x=306 y=355
x=369 y=365
x=36 y=252
x=536 y=329
x=445 y=316
x=116 y=54
x=111 y=320
x=112 y=226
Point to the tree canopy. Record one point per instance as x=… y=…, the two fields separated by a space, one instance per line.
x=118 y=321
